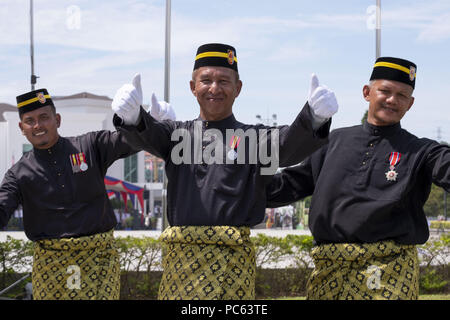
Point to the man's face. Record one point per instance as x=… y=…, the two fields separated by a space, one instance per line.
x=215 y=89
x=40 y=127
x=388 y=101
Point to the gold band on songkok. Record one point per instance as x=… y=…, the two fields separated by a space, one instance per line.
x=76 y=268
x=207 y=263
x=380 y=271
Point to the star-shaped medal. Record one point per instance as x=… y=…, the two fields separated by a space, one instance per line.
x=391 y=175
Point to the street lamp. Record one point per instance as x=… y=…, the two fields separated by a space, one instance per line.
x=269 y=121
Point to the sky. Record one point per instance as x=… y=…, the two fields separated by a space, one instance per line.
x=97 y=46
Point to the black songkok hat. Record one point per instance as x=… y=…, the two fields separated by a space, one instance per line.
x=33 y=100
x=395 y=69
x=217 y=55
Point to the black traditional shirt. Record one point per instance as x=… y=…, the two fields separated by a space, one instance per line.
x=202 y=190
x=355 y=199
x=62 y=197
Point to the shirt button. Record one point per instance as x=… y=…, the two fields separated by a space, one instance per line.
x=364 y=162
x=62 y=185
x=54 y=162
x=59 y=174
x=206 y=123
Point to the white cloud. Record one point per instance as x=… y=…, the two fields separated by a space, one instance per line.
x=430 y=19
x=290 y=52
x=108 y=26
x=438 y=30
x=117 y=38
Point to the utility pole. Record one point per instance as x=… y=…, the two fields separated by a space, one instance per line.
x=167 y=53
x=378 y=30
x=445 y=205
x=439 y=138
x=33 y=76
x=167 y=99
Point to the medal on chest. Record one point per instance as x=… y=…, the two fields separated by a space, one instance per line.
x=234 y=142
x=394 y=159
x=78 y=162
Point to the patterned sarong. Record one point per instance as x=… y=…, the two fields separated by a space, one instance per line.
x=76 y=268
x=380 y=271
x=207 y=263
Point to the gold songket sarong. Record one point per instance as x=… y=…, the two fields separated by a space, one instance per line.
x=380 y=271
x=207 y=263
x=76 y=268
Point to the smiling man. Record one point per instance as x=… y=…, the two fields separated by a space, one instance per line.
x=369 y=185
x=212 y=205
x=40 y=126
x=389 y=101
x=215 y=90
x=66 y=210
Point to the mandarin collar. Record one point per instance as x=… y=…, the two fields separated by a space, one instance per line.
x=381 y=130
x=52 y=150
x=228 y=122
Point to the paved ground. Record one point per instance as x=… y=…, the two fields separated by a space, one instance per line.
x=155 y=234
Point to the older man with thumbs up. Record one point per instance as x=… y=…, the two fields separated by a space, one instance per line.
x=213 y=204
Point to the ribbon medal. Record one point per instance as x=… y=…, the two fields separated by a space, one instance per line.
x=234 y=142
x=78 y=162
x=394 y=159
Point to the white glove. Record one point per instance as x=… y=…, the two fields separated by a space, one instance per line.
x=322 y=101
x=161 y=110
x=128 y=100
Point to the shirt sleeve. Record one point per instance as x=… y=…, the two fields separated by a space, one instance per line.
x=150 y=135
x=290 y=185
x=9 y=198
x=110 y=146
x=438 y=165
x=300 y=139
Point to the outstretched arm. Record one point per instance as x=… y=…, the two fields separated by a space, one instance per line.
x=291 y=185
x=9 y=198
x=438 y=164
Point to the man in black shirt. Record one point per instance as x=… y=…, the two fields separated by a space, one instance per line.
x=217 y=175
x=66 y=210
x=369 y=185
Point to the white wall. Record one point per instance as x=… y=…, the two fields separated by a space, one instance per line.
x=78 y=116
x=14 y=140
x=2 y=149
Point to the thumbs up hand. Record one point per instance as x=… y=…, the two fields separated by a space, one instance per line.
x=127 y=101
x=161 y=110
x=321 y=100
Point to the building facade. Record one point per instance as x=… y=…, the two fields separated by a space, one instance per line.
x=81 y=113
